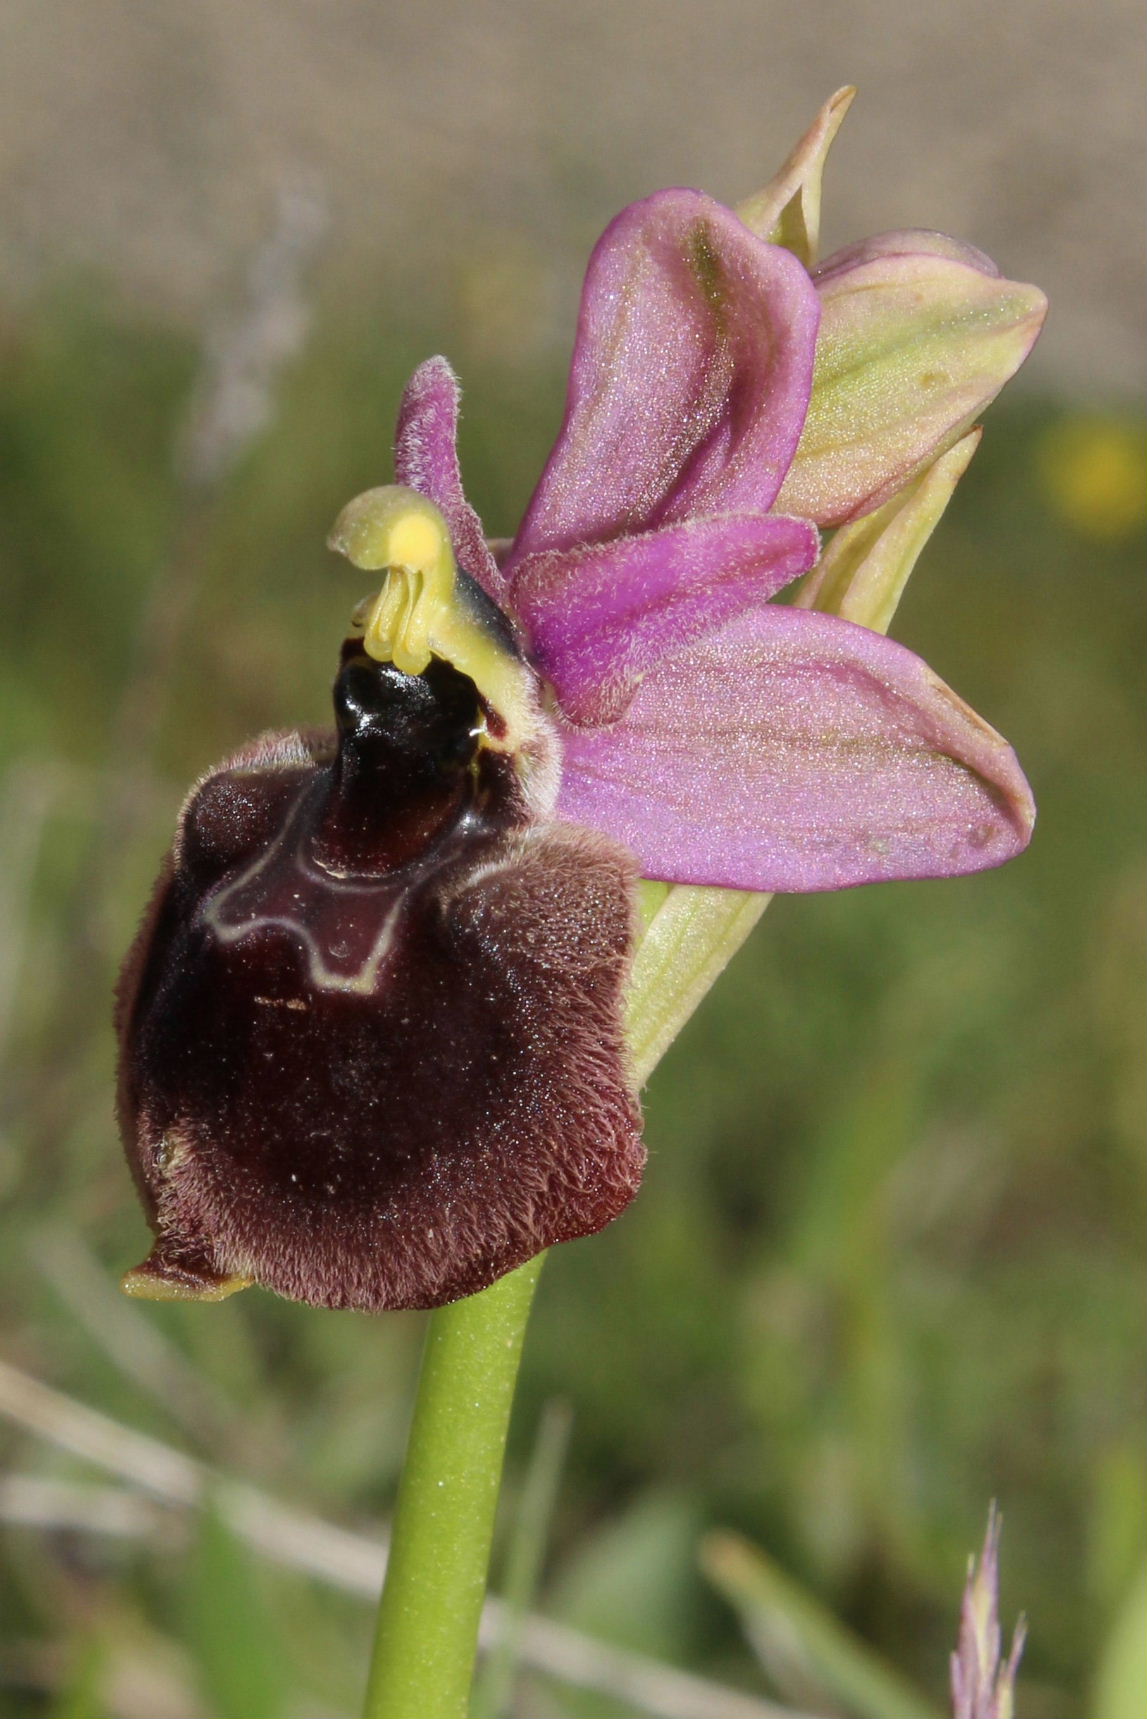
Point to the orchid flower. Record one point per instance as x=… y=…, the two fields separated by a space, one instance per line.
x=373 y=1052
x=722 y=737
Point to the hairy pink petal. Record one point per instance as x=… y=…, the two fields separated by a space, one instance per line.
x=599 y=617
x=689 y=382
x=426 y=459
x=794 y=751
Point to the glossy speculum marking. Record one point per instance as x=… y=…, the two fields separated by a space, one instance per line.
x=371 y=1038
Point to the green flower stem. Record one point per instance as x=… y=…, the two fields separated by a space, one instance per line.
x=435 y=1584
x=444 y=1521
x=525 y=1556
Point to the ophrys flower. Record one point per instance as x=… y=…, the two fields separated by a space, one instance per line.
x=372 y=1036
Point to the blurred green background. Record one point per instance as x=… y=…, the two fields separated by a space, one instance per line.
x=887 y=1264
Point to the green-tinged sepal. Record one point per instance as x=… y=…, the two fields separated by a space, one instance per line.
x=429 y=607
x=917 y=335
x=689 y=934
x=787 y=211
x=862 y=574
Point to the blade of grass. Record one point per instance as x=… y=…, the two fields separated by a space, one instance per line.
x=238 y=1655
x=788 y=1628
x=1121 y=1677
x=82 y=1695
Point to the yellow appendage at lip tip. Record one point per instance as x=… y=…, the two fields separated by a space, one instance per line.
x=143 y=1285
x=420 y=611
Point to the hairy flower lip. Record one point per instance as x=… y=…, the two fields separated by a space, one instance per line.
x=384 y=1087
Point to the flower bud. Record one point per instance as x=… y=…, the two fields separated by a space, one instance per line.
x=787 y=211
x=917 y=335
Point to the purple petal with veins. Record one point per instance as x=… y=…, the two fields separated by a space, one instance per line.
x=690 y=377
x=426 y=459
x=793 y=751
x=599 y=617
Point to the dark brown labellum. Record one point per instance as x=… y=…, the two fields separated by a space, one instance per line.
x=371 y=1045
